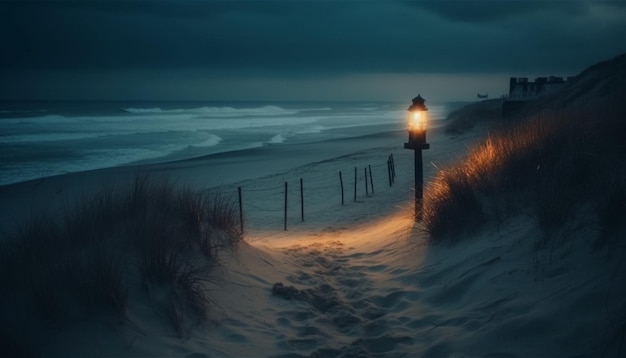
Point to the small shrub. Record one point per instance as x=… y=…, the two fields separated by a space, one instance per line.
x=546 y=166
x=551 y=207
x=192 y=209
x=88 y=255
x=610 y=209
x=175 y=286
x=97 y=282
x=452 y=205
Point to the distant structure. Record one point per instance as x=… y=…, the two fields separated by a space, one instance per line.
x=486 y=95
x=520 y=89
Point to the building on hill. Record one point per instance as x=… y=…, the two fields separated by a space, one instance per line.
x=521 y=90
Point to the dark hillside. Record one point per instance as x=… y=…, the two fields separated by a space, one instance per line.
x=464 y=119
x=566 y=154
x=604 y=80
x=602 y=86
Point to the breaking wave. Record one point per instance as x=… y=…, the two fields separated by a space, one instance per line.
x=276 y=139
x=219 y=111
x=212 y=141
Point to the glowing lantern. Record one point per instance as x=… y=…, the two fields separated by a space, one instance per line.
x=417 y=120
x=417 y=141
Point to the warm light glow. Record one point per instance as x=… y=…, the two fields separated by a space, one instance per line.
x=399 y=223
x=417 y=120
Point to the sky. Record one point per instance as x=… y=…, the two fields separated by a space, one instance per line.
x=278 y=50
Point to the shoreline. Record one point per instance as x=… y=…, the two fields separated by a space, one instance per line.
x=364 y=278
x=55 y=192
x=50 y=195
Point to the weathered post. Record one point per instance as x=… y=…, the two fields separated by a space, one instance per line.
x=393 y=167
x=355 y=183
x=371 y=180
x=341 y=182
x=367 y=193
x=285 y=206
x=301 y=200
x=240 y=210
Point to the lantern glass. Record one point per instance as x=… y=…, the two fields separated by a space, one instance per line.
x=417 y=120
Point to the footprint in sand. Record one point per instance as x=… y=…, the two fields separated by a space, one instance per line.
x=334 y=307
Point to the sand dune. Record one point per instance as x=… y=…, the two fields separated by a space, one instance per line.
x=359 y=279
x=367 y=284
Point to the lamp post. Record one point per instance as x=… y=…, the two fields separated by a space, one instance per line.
x=417 y=123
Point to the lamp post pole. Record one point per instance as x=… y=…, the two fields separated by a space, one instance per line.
x=419 y=183
x=417 y=143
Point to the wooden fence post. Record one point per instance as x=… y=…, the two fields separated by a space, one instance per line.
x=301 y=200
x=285 y=206
x=367 y=192
x=240 y=210
x=341 y=182
x=371 y=180
x=355 y=183
x=393 y=168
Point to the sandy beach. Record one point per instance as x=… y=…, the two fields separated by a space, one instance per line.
x=358 y=279
x=367 y=283
x=269 y=254
x=321 y=179
x=204 y=172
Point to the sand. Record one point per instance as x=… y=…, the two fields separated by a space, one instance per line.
x=360 y=279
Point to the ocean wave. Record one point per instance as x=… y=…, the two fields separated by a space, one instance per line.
x=48 y=137
x=218 y=111
x=212 y=141
x=22 y=112
x=276 y=139
x=88 y=160
x=49 y=118
x=312 y=130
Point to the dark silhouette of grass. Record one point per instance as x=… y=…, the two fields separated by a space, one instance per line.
x=149 y=236
x=548 y=166
x=466 y=118
x=611 y=209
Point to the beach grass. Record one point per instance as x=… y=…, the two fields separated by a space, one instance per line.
x=150 y=239
x=548 y=166
x=467 y=117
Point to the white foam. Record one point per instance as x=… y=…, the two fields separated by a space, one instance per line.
x=211 y=141
x=277 y=139
x=53 y=118
x=312 y=130
x=94 y=159
x=153 y=133
x=49 y=137
x=219 y=111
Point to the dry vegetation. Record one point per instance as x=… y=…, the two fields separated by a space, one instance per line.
x=466 y=118
x=551 y=166
x=150 y=240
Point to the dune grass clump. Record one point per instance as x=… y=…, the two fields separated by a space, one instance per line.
x=547 y=167
x=149 y=239
x=610 y=208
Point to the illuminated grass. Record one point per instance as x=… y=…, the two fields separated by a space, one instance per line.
x=547 y=167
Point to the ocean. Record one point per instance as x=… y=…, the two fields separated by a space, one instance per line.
x=45 y=138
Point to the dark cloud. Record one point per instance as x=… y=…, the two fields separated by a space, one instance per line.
x=479 y=11
x=162 y=34
x=309 y=38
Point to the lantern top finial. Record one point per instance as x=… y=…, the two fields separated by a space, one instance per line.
x=418 y=104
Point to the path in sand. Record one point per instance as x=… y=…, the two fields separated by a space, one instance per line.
x=359 y=280
x=342 y=281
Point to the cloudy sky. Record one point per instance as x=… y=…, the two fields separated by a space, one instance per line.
x=296 y=49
